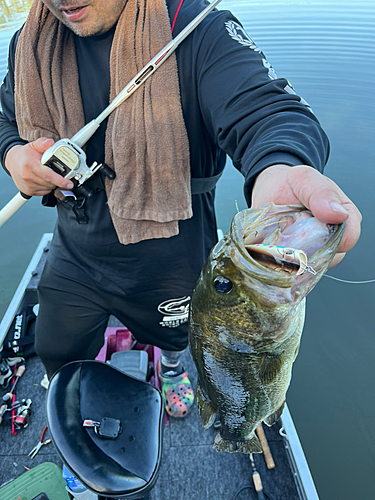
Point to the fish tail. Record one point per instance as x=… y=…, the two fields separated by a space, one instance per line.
x=251 y=445
x=206 y=411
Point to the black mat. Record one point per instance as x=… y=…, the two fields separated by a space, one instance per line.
x=191 y=468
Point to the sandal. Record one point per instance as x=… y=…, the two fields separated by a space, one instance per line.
x=177 y=393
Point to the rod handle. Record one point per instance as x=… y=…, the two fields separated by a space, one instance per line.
x=26 y=196
x=5 y=405
x=2 y=411
x=20 y=371
x=266 y=449
x=12 y=206
x=258 y=485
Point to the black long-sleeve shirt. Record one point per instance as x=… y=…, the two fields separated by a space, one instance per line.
x=232 y=105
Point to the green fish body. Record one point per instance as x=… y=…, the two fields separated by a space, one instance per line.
x=247 y=315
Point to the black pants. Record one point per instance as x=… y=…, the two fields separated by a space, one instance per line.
x=73 y=316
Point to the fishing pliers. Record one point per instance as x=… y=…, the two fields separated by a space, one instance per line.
x=41 y=443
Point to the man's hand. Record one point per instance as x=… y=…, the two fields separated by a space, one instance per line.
x=303 y=185
x=29 y=175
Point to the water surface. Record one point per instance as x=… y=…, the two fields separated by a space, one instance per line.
x=327 y=51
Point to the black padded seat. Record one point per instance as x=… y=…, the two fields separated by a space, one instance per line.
x=124 y=467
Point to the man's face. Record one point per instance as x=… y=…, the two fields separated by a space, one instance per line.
x=87 y=17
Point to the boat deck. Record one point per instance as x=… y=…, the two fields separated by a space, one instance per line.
x=190 y=470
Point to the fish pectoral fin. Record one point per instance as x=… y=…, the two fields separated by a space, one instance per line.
x=206 y=412
x=251 y=445
x=296 y=353
x=270 y=367
x=274 y=417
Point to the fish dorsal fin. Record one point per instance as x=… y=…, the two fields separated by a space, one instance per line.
x=270 y=367
x=274 y=417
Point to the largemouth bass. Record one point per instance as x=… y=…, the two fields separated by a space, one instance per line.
x=247 y=314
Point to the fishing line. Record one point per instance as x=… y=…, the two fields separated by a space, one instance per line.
x=249 y=488
x=325 y=275
x=348 y=281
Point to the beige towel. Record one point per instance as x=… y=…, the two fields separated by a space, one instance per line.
x=146 y=141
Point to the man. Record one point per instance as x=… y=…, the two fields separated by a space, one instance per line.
x=136 y=247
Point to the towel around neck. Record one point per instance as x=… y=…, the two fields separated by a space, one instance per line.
x=146 y=139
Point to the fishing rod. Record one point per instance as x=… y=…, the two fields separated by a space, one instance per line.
x=66 y=156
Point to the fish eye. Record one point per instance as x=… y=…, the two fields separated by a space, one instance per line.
x=222 y=285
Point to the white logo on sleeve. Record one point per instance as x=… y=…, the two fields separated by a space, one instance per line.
x=237 y=32
x=175 y=311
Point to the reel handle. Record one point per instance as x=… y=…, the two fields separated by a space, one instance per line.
x=82 y=189
x=108 y=172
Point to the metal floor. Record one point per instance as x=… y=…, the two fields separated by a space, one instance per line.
x=190 y=470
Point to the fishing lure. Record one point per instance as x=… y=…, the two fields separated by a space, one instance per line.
x=282 y=254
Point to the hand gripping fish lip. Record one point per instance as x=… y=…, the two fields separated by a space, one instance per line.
x=286 y=239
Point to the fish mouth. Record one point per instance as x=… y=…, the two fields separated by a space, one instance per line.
x=285 y=241
x=270 y=257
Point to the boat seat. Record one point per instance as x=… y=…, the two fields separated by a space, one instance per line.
x=126 y=466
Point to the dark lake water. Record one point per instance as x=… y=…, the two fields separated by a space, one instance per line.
x=326 y=49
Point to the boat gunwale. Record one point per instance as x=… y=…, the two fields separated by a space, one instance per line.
x=300 y=468
x=19 y=293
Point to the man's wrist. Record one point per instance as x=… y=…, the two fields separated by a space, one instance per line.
x=269 y=171
x=6 y=154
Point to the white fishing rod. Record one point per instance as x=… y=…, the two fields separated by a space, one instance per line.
x=66 y=156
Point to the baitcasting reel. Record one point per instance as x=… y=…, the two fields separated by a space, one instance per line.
x=69 y=160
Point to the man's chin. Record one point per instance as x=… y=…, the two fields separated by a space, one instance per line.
x=82 y=29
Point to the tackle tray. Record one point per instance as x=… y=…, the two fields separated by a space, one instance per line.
x=44 y=478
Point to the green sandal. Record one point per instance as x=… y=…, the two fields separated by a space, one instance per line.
x=177 y=393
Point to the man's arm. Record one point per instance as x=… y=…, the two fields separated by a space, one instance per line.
x=270 y=133
x=20 y=159
x=255 y=117
x=9 y=135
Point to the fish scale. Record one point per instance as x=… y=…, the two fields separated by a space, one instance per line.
x=246 y=319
